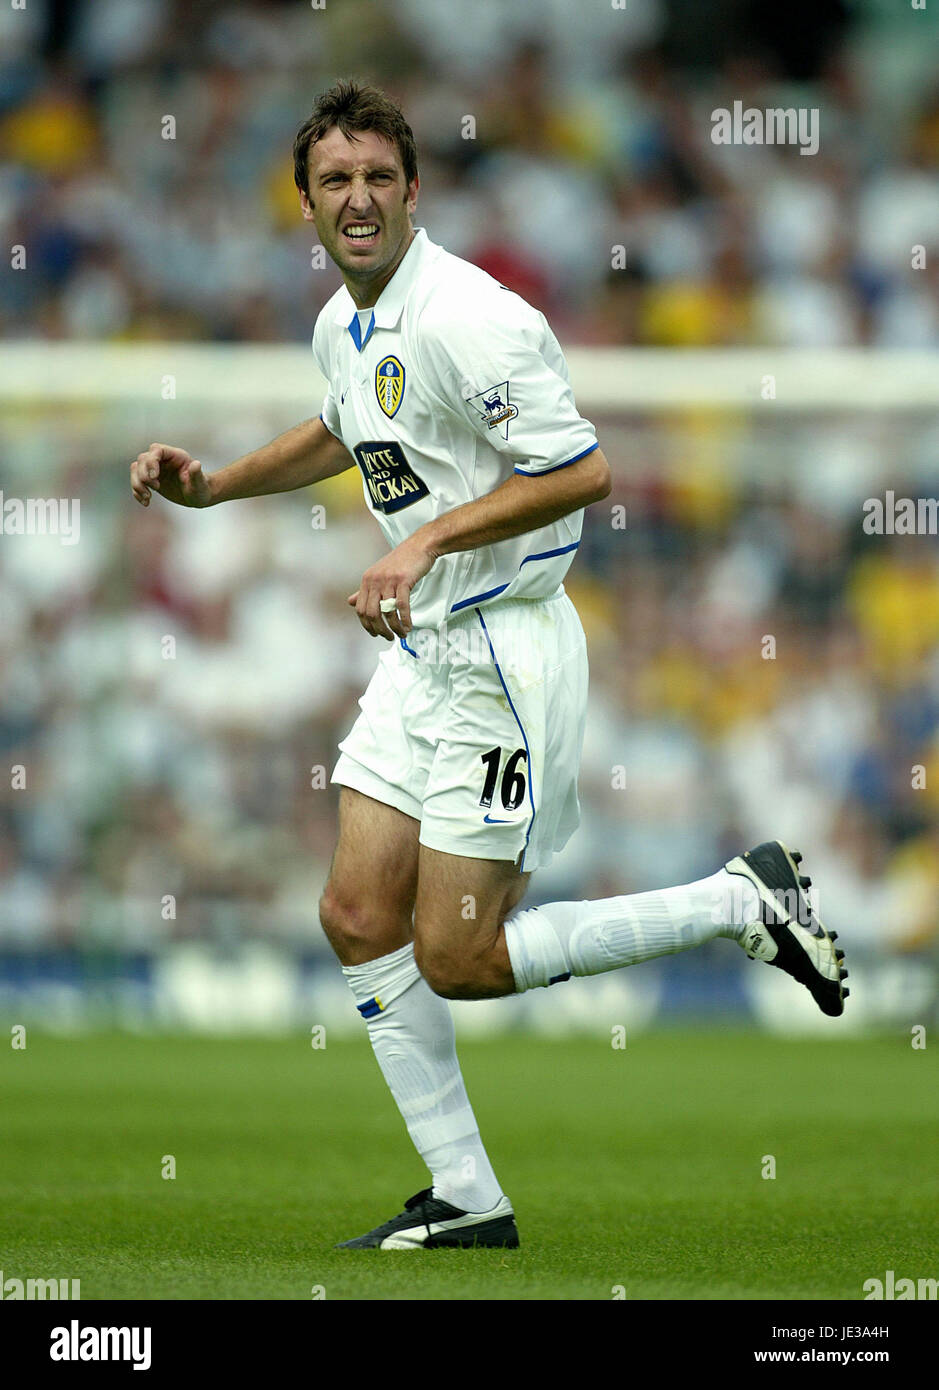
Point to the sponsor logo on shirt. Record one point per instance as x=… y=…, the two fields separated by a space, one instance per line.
x=389 y=385
x=493 y=406
x=390 y=479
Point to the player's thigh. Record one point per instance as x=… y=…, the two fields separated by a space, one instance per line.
x=367 y=906
x=461 y=905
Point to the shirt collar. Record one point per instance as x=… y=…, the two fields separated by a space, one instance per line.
x=390 y=303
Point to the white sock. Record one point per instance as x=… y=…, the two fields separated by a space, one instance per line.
x=411 y=1031
x=551 y=943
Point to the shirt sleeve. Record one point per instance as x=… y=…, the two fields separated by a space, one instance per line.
x=330 y=411
x=502 y=369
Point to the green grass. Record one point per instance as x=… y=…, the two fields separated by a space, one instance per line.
x=639 y=1168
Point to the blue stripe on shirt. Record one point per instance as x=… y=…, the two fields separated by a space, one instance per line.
x=539 y=472
x=491 y=593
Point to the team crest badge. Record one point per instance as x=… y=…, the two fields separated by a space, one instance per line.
x=493 y=406
x=389 y=385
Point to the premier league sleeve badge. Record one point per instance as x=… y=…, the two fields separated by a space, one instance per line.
x=494 y=407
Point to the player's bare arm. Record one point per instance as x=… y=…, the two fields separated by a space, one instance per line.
x=518 y=505
x=303 y=455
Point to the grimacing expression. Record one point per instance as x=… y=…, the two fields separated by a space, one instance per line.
x=359 y=201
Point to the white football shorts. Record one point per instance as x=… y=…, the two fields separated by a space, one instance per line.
x=476 y=730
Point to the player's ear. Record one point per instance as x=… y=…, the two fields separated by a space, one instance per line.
x=306 y=207
x=413 y=189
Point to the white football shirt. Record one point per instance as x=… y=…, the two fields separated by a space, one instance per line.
x=454 y=383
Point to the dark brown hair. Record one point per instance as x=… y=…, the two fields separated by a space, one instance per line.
x=353 y=107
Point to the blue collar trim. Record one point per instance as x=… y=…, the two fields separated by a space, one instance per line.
x=355 y=328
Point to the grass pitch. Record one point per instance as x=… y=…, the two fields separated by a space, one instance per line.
x=638 y=1170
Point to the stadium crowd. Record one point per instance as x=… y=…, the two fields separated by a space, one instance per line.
x=174 y=686
x=145 y=148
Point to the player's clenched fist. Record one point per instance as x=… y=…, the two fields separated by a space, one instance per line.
x=383 y=599
x=173 y=474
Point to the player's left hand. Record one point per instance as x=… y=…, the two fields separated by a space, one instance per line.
x=394 y=576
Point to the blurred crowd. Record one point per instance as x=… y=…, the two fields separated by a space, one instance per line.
x=174 y=685
x=145 y=163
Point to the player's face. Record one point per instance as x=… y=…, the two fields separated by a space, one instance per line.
x=361 y=207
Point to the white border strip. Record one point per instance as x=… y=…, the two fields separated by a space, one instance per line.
x=613 y=379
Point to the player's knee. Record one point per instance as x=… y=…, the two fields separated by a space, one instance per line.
x=348 y=925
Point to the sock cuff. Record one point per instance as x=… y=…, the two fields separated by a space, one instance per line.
x=377 y=983
x=536 y=951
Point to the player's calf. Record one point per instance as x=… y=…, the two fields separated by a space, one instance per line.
x=465 y=970
x=461 y=906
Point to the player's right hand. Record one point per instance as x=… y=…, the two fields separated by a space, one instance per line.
x=173 y=474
